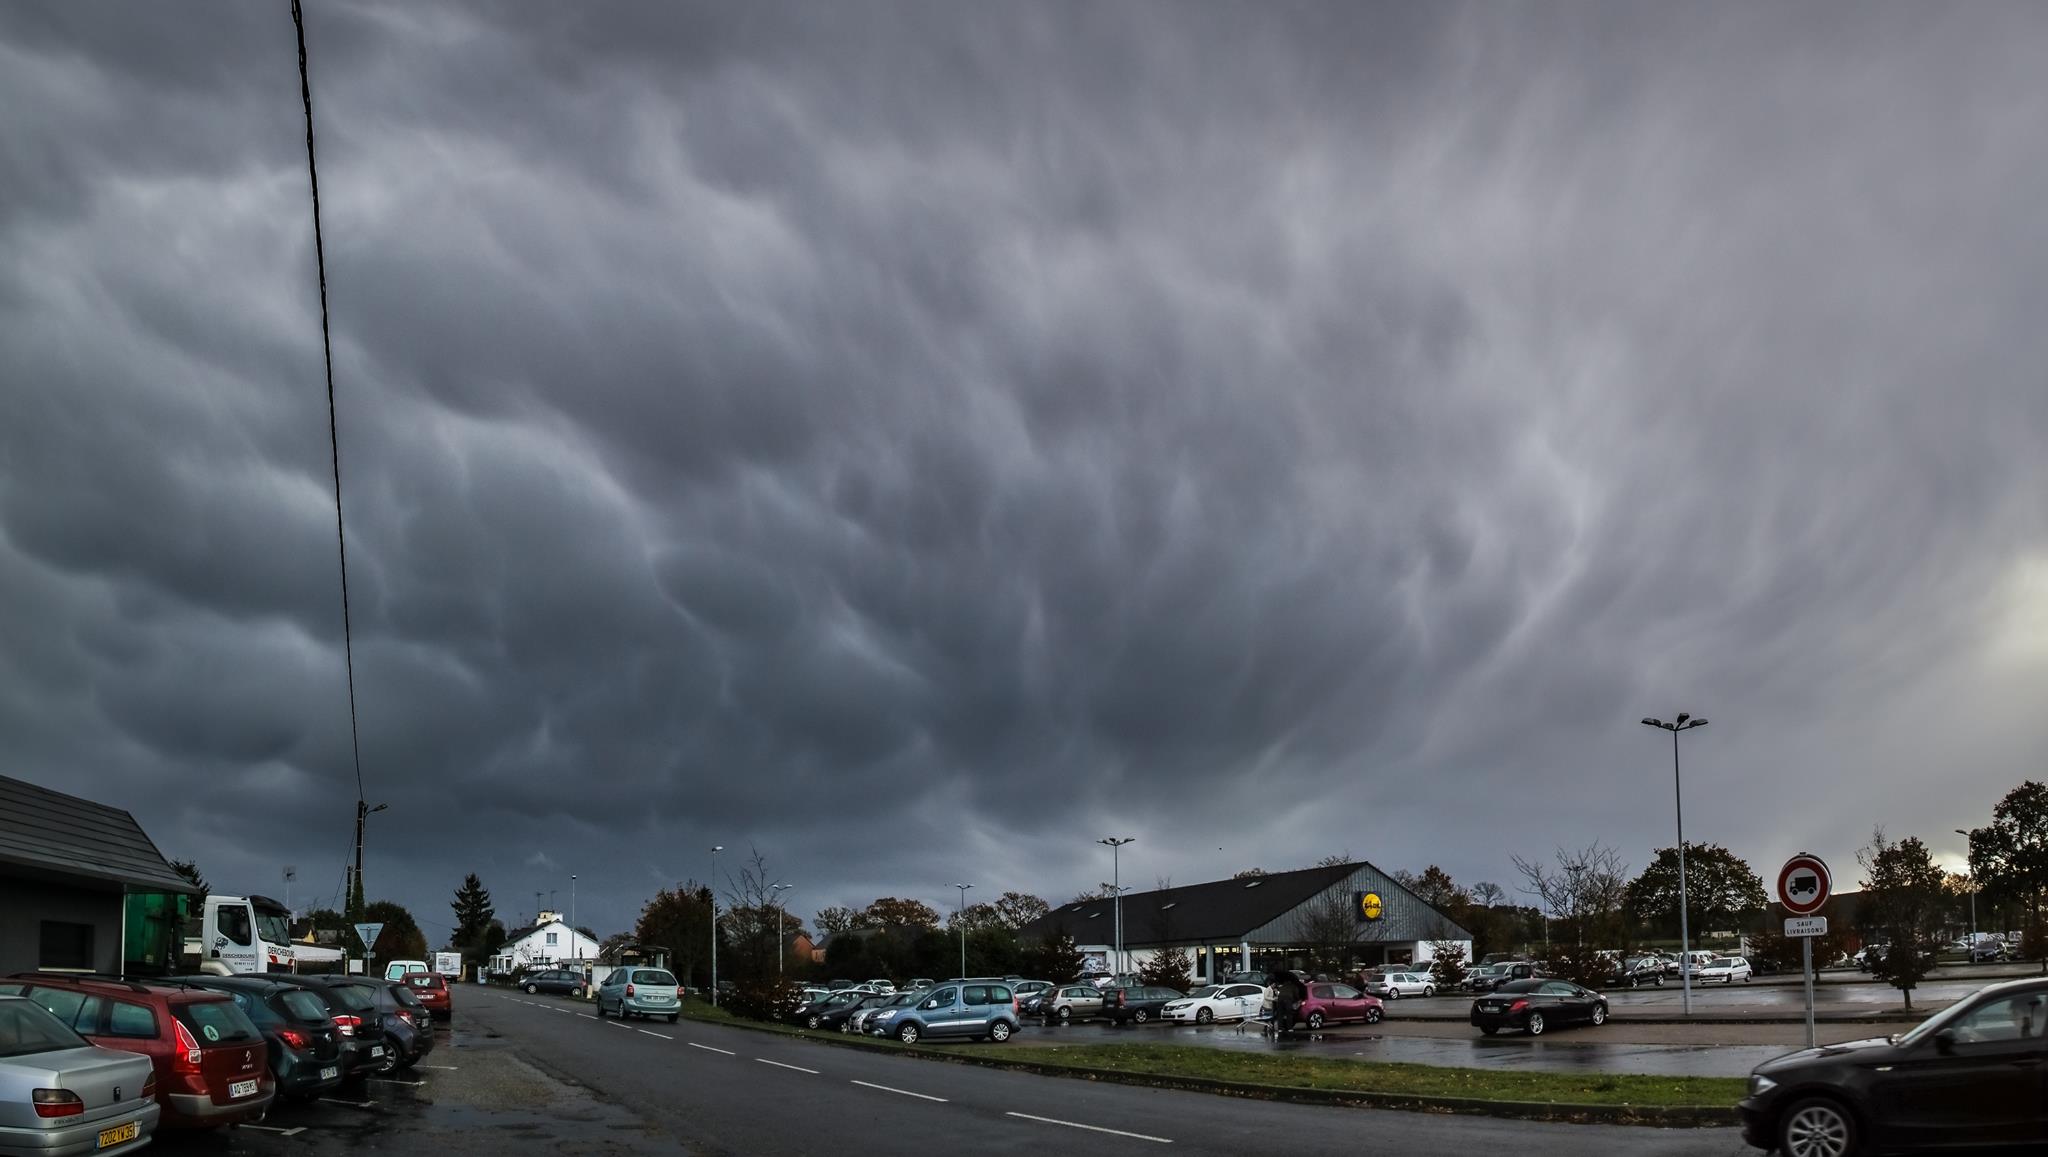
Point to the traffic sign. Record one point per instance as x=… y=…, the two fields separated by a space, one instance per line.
x=1806 y=925
x=1804 y=884
x=368 y=933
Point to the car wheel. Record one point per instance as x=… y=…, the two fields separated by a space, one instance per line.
x=1659 y=982
x=812 y=1021
x=1204 y=1016
x=1488 y=1029
x=1315 y=1020
x=1817 y=1128
x=1536 y=1025
x=1599 y=1014
x=1066 y=1014
x=532 y=990
x=999 y=1031
x=1141 y=1016
x=907 y=1034
x=845 y=1026
x=1632 y=982
x=1393 y=994
x=1372 y=1015
x=1429 y=991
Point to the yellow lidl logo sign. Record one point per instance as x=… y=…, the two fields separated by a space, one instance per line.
x=1369 y=906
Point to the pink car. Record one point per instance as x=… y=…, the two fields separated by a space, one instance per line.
x=1329 y=1003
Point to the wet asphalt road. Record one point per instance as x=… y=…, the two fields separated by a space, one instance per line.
x=726 y=1090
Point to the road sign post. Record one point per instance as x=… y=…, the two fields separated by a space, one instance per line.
x=1803 y=887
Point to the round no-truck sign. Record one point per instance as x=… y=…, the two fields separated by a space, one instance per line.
x=1804 y=884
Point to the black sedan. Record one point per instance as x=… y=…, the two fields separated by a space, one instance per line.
x=828 y=1011
x=1635 y=973
x=841 y=1018
x=1974 y=1074
x=1536 y=1006
x=1138 y=1003
x=557 y=981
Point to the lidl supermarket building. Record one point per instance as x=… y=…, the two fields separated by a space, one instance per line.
x=1261 y=922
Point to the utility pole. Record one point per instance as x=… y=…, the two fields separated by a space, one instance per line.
x=363 y=812
x=715 y=849
x=1684 y=722
x=1116 y=846
x=572 y=918
x=780 y=919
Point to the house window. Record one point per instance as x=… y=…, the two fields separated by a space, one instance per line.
x=551 y=939
x=65 y=945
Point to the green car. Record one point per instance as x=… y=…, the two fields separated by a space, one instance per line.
x=639 y=991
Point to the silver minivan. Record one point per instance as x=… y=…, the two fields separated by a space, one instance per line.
x=642 y=991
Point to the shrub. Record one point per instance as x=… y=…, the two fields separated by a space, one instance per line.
x=768 y=1000
x=1447 y=961
x=1168 y=968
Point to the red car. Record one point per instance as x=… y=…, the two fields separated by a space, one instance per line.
x=1329 y=1003
x=212 y=1064
x=432 y=989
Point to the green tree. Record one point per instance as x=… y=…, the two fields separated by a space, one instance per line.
x=1020 y=908
x=1056 y=958
x=679 y=920
x=401 y=938
x=976 y=918
x=189 y=872
x=1439 y=891
x=473 y=912
x=1168 y=967
x=2009 y=857
x=1719 y=889
x=1901 y=904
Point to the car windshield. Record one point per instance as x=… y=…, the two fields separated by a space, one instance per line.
x=1513 y=986
x=1935 y=1023
x=27 y=1028
x=1205 y=990
x=273 y=928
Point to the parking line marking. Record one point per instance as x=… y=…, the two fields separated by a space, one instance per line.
x=663 y=1036
x=350 y=1104
x=291 y=1132
x=1090 y=1128
x=393 y=1081
x=709 y=1049
x=442 y=1068
x=780 y=1065
x=903 y=1092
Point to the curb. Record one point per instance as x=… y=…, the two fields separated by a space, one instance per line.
x=1914 y=1017
x=1664 y=1116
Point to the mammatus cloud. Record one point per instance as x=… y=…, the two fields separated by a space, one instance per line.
x=907 y=440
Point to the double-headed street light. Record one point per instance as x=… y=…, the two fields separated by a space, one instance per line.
x=1116 y=845
x=1684 y=722
x=779 y=889
x=962 y=919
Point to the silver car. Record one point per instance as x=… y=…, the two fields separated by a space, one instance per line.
x=1071 y=1002
x=862 y=1019
x=61 y=1096
x=646 y=991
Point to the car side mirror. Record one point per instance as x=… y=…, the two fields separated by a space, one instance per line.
x=1945 y=1041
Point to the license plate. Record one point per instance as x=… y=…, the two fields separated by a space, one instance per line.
x=330 y=1072
x=120 y=1133
x=1490 y=1007
x=242 y=1089
x=376 y=1050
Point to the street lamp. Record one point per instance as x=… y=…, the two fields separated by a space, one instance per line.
x=963 y=928
x=1973 y=902
x=1116 y=844
x=715 y=849
x=1684 y=722
x=573 y=934
x=779 y=889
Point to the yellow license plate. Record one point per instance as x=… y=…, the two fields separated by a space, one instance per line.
x=119 y=1133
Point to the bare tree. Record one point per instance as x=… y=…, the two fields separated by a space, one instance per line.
x=1584 y=894
x=1488 y=894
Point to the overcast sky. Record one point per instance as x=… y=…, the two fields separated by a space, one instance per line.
x=917 y=440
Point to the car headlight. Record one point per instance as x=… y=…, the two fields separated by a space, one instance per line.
x=886 y=1014
x=1760 y=1084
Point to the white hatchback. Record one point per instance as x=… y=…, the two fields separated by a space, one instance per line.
x=1214 y=1002
x=1726 y=969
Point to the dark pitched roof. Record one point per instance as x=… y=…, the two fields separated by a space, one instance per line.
x=1221 y=911
x=61 y=835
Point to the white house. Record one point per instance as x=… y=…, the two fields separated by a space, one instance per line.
x=549 y=942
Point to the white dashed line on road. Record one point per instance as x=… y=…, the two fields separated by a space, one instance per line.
x=902 y=1092
x=780 y=1065
x=709 y=1049
x=657 y=1034
x=615 y=1024
x=586 y=1016
x=1090 y=1128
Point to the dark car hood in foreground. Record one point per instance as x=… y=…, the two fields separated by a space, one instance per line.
x=1875 y=1050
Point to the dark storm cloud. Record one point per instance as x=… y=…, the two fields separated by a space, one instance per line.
x=910 y=439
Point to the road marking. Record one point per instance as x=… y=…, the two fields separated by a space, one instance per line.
x=442 y=1068
x=350 y=1104
x=393 y=1081
x=586 y=1016
x=902 y=1092
x=1090 y=1128
x=709 y=1049
x=664 y=1037
x=291 y=1132
x=614 y=1024
x=780 y=1065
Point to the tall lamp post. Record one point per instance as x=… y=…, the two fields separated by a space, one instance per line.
x=1684 y=722
x=1116 y=846
x=715 y=849
x=962 y=919
x=779 y=889
x=1973 y=903
x=573 y=934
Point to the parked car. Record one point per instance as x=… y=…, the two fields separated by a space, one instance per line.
x=361 y=1022
x=637 y=991
x=1214 y=1002
x=1329 y=1002
x=433 y=992
x=400 y=969
x=1536 y=1006
x=862 y=1020
x=212 y=1068
x=920 y=983
x=842 y=1018
x=1028 y=993
x=1988 y=950
x=1136 y=1004
x=305 y=1047
x=556 y=981
x=1968 y=1076
x=1247 y=976
x=882 y=985
x=1485 y=977
x=1071 y=1002
x=60 y=1094
x=1726 y=969
x=1638 y=971
x=813 y=1014
x=386 y=1011
x=977 y=1011
x=1394 y=985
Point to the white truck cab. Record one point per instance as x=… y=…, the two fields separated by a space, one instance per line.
x=243 y=934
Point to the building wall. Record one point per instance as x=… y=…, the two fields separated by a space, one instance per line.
x=25 y=904
x=1406 y=919
x=533 y=948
